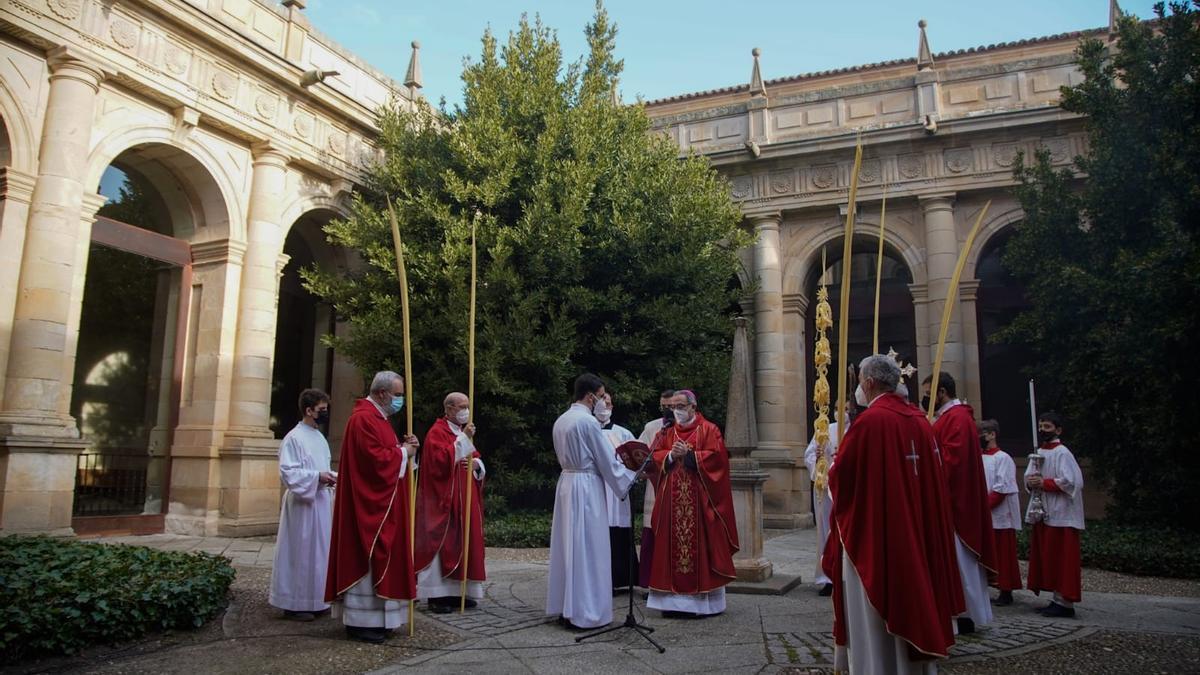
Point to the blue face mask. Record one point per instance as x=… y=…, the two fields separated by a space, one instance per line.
x=397 y=404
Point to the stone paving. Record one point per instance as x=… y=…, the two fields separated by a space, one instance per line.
x=508 y=632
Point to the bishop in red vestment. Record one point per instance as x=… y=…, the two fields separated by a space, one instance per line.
x=958 y=440
x=695 y=532
x=891 y=547
x=370 y=566
x=441 y=502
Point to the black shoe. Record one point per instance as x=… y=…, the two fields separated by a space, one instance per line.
x=1004 y=600
x=298 y=616
x=566 y=623
x=1057 y=611
x=440 y=608
x=1043 y=610
x=826 y=591
x=966 y=625
x=471 y=604
x=373 y=636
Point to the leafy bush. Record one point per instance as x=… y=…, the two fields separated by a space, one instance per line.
x=59 y=595
x=1131 y=549
x=519 y=529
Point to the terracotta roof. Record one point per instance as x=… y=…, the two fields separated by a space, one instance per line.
x=1073 y=35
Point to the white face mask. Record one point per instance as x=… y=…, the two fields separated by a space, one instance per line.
x=604 y=416
x=601 y=406
x=682 y=416
x=462 y=416
x=860 y=397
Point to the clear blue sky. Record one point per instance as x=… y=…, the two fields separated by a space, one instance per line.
x=678 y=46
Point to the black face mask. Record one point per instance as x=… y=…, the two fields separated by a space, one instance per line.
x=925 y=402
x=983 y=442
x=1046 y=436
x=323 y=416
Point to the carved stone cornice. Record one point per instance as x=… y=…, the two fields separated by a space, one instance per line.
x=217 y=252
x=16 y=185
x=796 y=303
x=968 y=290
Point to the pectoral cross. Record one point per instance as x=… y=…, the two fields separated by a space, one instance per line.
x=913 y=457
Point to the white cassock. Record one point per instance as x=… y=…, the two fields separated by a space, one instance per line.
x=619 y=512
x=648 y=433
x=580 y=587
x=1000 y=472
x=874 y=649
x=822 y=503
x=1065 y=507
x=430 y=582
x=305 y=523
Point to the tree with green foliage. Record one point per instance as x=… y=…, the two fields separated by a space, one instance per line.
x=1112 y=266
x=599 y=250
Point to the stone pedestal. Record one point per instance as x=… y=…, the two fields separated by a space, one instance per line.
x=249 y=487
x=745 y=475
x=37 y=482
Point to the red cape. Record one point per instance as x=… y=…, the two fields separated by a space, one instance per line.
x=440 y=505
x=370 y=510
x=895 y=526
x=695 y=531
x=958 y=439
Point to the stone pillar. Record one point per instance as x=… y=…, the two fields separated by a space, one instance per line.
x=941 y=255
x=16 y=192
x=795 y=316
x=249 y=473
x=39 y=441
x=745 y=475
x=770 y=392
x=970 y=387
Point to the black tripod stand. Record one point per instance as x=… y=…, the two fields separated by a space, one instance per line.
x=630 y=621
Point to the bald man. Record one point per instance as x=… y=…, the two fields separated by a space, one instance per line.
x=441 y=503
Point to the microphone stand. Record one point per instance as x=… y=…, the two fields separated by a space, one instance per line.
x=630 y=621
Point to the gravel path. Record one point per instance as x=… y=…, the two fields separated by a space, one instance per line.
x=250 y=637
x=1100 y=653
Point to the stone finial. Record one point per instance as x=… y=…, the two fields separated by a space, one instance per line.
x=298 y=4
x=757 y=88
x=924 y=55
x=412 y=79
x=1114 y=17
x=741 y=427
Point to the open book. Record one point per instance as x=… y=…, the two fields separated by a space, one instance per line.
x=633 y=453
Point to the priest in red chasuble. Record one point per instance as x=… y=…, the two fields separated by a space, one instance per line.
x=695 y=533
x=441 y=501
x=958 y=440
x=891 y=546
x=370 y=576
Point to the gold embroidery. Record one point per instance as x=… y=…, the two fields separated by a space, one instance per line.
x=684 y=525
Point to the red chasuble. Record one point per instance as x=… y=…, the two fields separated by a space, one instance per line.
x=891 y=518
x=695 y=531
x=958 y=439
x=440 y=504
x=370 y=511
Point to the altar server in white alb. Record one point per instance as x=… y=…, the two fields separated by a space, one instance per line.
x=822 y=503
x=305 y=520
x=1001 y=475
x=1054 y=563
x=580 y=587
x=620 y=514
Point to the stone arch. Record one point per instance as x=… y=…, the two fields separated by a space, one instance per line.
x=208 y=211
x=801 y=260
x=16 y=134
x=309 y=208
x=994 y=226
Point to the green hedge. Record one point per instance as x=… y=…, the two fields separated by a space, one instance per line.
x=59 y=595
x=528 y=529
x=1132 y=549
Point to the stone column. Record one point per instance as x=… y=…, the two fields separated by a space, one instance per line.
x=970 y=387
x=795 y=315
x=941 y=254
x=249 y=477
x=39 y=441
x=770 y=392
x=16 y=192
x=745 y=475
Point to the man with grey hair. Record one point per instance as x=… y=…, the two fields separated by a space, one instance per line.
x=370 y=568
x=891 y=550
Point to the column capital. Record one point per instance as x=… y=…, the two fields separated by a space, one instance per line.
x=796 y=303
x=765 y=221
x=16 y=185
x=968 y=290
x=920 y=293
x=269 y=153
x=68 y=63
x=92 y=201
x=218 y=251
x=942 y=201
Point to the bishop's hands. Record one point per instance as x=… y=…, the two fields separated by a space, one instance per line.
x=678 y=450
